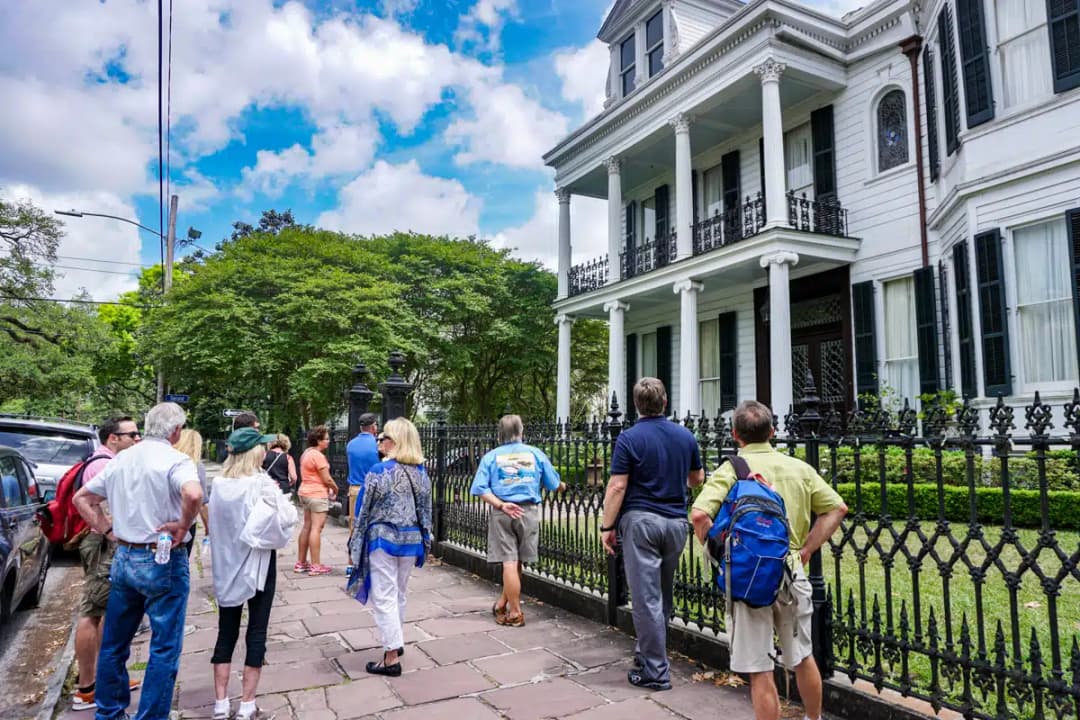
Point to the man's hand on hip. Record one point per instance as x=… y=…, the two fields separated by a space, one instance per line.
x=514 y=510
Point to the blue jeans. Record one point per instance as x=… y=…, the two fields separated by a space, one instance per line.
x=139 y=585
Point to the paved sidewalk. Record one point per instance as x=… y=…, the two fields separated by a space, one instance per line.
x=458 y=663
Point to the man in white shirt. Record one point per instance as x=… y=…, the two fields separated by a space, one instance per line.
x=150 y=488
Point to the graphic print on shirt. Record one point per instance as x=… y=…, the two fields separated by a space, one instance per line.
x=516 y=468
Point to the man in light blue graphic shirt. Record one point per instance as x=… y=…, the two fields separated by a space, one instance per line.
x=509 y=480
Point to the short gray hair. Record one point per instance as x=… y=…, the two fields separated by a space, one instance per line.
x=163 y=420
x=510 y=429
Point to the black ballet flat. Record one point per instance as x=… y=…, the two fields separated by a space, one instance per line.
x=378 y=668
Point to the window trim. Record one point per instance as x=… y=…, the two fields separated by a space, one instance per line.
x=649 y=49
x=875 y=160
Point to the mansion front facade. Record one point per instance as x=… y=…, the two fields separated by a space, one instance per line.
x=890 y=200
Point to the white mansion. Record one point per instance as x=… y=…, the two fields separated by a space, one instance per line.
x=890 y=199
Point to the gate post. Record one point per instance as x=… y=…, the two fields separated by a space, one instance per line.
x=395 y=390
x=616 y=572
x=359 y=398
x=808 y=425
x=441 y=461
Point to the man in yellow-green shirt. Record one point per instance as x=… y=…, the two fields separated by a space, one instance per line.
x=804 y=492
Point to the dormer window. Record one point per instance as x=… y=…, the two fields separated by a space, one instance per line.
x=627 y=64
x=654 y=42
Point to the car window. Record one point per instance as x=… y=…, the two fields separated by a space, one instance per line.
x=29 y=483
x=9 y=483
x=47 y=446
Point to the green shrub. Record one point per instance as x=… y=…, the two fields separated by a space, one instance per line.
x=989 y=504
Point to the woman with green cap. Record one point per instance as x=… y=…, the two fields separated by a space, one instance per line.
x=252 y=519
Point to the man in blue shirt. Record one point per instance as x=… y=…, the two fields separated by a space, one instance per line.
x=362 y=453
x=509 y=480
x=652 y=465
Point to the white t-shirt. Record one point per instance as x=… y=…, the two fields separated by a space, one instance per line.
x=142 y=485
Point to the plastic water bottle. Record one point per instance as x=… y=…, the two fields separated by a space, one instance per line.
x=206 y=548
x=164 y=548
x=348 y=571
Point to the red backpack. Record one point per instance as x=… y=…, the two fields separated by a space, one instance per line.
x=61 y=522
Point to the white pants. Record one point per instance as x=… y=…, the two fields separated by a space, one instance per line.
x=389 y=580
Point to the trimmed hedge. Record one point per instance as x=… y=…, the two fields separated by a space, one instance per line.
x=990 y=507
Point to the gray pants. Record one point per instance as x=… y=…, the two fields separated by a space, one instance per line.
x=651 y=547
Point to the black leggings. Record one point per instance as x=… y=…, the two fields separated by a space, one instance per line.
x=258 y=621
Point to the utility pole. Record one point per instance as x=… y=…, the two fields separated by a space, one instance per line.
x=170 y=249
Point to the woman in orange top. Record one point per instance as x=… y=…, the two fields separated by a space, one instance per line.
x=317 y=491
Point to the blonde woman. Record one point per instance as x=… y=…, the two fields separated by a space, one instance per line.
x=279 y=465
x=252 y=520
x=391 y=536
x=191 y=444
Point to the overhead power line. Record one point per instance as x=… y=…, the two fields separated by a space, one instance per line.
x=99 y=260
x=77 y=302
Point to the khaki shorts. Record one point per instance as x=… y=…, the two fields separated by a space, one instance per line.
x=315 y=504
x=96 y=554
x=752 y=646
x=510 y=540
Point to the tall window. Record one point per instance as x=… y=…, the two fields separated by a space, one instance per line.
x=648 y=355
x=799 y=160
x=627 y=64
x=892 y=136
x=648 y=219
x=709 y=365
x=654 y=42
x=1025 y=64
x=901 y=342
x=1044 y=303
x=714 y=184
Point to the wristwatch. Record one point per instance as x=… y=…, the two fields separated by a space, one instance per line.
x=606 y=529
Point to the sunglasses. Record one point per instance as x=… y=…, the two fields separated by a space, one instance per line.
x=133 y=434
x=384 y=437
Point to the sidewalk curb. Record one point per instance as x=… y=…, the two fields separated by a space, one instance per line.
x=56 y=684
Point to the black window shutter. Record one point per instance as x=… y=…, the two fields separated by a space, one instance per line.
x=997 y=375
x=626 y=402
x=663 y=361
x=662 y=202
x=694 y=189
x=964 y=327
x=978 y=92
x=926 y=329
x=931 y=112
x=821 y=130
x=1064 y=26
x=729 y=394
x=862 y=310
x=1073 y=221
x=946 y=324
x=730 y=173
x=761 y=162
x=949 y=87
x=631 y=215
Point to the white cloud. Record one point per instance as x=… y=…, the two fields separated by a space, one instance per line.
x=398 y=8
x=482 y=26
x=507 y=128
x=90 y=239
x=537 y=239
x=584 y=73
x=401 y=197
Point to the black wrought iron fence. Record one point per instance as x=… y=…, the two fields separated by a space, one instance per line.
x=953 y=579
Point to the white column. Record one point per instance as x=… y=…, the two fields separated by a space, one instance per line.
x=773 y=129
x=616 y=310
x=689 y=348
x=779 y=265
x=614 y=217
x=563 y=196
x=684 y=188
x=562 y=385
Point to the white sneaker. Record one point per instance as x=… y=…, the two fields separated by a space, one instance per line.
x=188 y=629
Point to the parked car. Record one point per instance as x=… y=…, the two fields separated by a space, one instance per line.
x=51 y=445
x=24 y=551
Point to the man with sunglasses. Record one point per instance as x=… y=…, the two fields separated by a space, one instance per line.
x=96 y=553
x=362 y=452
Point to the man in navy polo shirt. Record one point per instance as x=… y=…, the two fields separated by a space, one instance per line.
x=362 y=452
x=653 y=464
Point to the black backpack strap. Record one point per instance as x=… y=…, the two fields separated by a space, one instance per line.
x=742 y=470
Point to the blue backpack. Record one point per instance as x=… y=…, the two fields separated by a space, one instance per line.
x=749 y=540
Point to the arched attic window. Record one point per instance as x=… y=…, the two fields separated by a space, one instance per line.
x=892 y=130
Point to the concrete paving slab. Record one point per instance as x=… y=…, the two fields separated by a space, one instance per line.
x=448 y=651
x=523 y=667
x=533 y=635
x=456 y=709
x=343 y=605
x=598 y=650
x=705 y=701
x=638 y=709
x=362 y=697
x=556 y=698
x=298 y=676
x=439 y=683
x=306 y=595
x=461 y=625
x=320 y=624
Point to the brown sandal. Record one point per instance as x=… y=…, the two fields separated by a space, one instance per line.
x=498 y=613
x=512 y=620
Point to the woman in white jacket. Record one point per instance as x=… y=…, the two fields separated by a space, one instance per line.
x=251 y=520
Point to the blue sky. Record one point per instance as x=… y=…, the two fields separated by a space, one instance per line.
x=362 y=116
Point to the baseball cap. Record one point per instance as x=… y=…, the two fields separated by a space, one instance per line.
x=242 y=440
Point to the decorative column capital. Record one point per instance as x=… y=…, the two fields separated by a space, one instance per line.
x=681 y=123
x=616 y=306
x=779 y=258
x=562 y=195
x=687 y=286
x=562 y=318
x=614 y=166
x=770 y=70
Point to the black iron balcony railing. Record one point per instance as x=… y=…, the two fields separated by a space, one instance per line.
x=649 y=256
x=588 y=276
x=825 y=217
x=732 y=225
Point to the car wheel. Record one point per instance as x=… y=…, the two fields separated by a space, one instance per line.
x=7 y=592
x=33 y=598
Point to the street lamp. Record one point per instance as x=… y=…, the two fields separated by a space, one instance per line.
x=192 y=233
